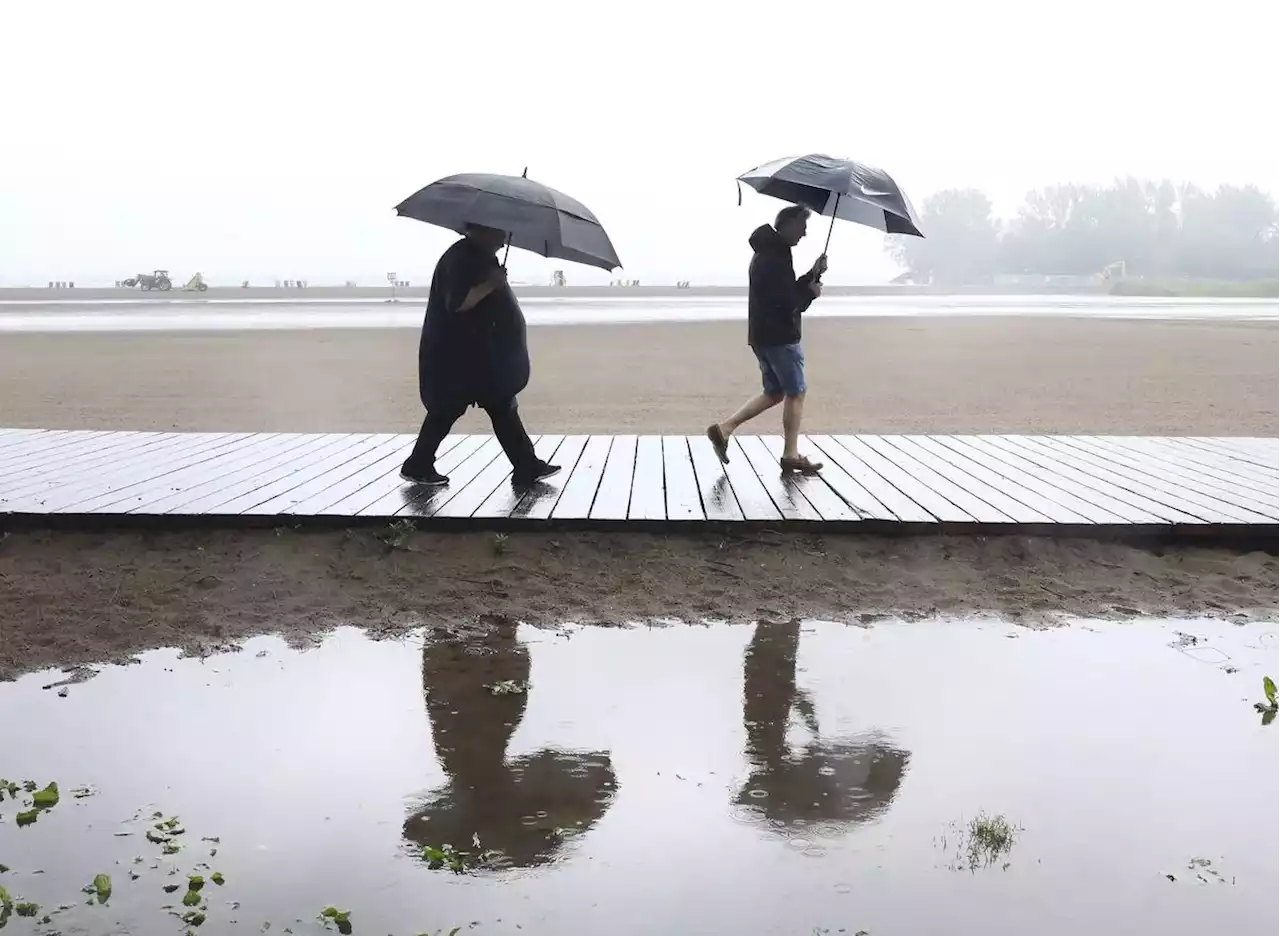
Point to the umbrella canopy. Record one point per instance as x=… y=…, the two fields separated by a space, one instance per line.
x=838 y=188
x=535 y=216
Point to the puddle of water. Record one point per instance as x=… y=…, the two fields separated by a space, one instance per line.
x=767 y=779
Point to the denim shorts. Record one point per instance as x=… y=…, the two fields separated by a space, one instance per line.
x=781 y=369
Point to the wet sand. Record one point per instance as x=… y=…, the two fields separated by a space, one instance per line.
x=70 y=598
x=932 y=374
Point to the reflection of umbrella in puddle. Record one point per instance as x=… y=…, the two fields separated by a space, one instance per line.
x=520 y=808
x=847 y=781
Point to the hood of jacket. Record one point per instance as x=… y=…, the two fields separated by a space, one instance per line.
x=765 y=239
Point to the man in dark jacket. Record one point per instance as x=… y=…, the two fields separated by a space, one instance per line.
x=776 y=299
x=473 y=351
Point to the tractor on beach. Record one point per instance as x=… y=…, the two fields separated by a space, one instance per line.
x=148 y=281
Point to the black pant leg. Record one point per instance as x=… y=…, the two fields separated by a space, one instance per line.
x=437 y=424
x=511 y=434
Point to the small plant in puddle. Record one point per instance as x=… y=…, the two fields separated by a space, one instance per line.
x=508 y=687
x=99 y=887
x=27 y=817
x=1269 y=708
x=193 y=918
x=397 y=534
x=446 y=857
x=46 y=798
x=990 y=838
x=501 y=543
x=26 y=909
x=339 y=918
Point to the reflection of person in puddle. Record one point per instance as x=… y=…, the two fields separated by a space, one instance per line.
x=852 y=780
x=521 y=809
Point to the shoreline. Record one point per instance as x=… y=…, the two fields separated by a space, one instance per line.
x=205 y=591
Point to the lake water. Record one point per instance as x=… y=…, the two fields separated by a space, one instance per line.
x=966 y=777
x=187 y=314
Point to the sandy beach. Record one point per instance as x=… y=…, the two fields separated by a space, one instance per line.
x=919 y=374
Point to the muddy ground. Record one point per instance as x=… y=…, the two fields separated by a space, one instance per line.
x=71 y=598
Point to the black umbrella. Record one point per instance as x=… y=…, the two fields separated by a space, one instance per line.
x=535 y=216
x=837 y=188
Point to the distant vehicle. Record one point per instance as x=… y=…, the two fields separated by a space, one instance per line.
x=157 y=280
x=196 y=284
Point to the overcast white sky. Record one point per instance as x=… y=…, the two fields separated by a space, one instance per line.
x=271 y=139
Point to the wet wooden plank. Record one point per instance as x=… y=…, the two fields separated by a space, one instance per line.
x=469 y=496
x=1134 y=484
x=392 y=494
x=968 y=489
x=346 y=497
x=864 y=504
x=719 y=502
x=1127 y=490
x=648 y=498
x=1054 y=502
x=199 y=496
x=917 y=491
x=427 y=501
x=290 y=476
x=109 y=453
x=579 y=493
x=62 y=451
x=154 y=463
x=899 y=505
x=286 y=503
x=506 y=497
x=13 y=437
x=1236 y=473
x=1126 y=513
x=817 y=490
x=1241 y=449
x=973 y=505
x=1261 y=476
x=1183 y=475
x=540 y=501
x=134 y=469
x=613 y=497
x=786 y=492
x=45 y=443
x=1100 y=486
x=253 y=451
x=683 y=501
x=1233 y=475
x=388 y=462
x=1214 y=506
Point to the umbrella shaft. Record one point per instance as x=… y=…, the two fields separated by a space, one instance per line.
x=832 y=228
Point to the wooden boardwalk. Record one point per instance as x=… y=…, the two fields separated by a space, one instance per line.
x=1064 y=485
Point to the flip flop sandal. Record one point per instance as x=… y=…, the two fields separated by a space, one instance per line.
x=719 y=443
x=801 y=464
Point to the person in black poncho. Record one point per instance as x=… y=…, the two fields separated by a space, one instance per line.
x=473 y=352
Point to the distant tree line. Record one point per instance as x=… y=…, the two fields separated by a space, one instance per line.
x=1156 y=229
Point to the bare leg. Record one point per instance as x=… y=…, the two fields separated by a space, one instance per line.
x=750 y=410
x=792 y=413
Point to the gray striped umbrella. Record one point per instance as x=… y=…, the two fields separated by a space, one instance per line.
x=534 y=216
x=837 y=188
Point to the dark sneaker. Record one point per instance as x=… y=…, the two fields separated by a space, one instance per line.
x=719 y=443
x=540 y=472
x=430 y=477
